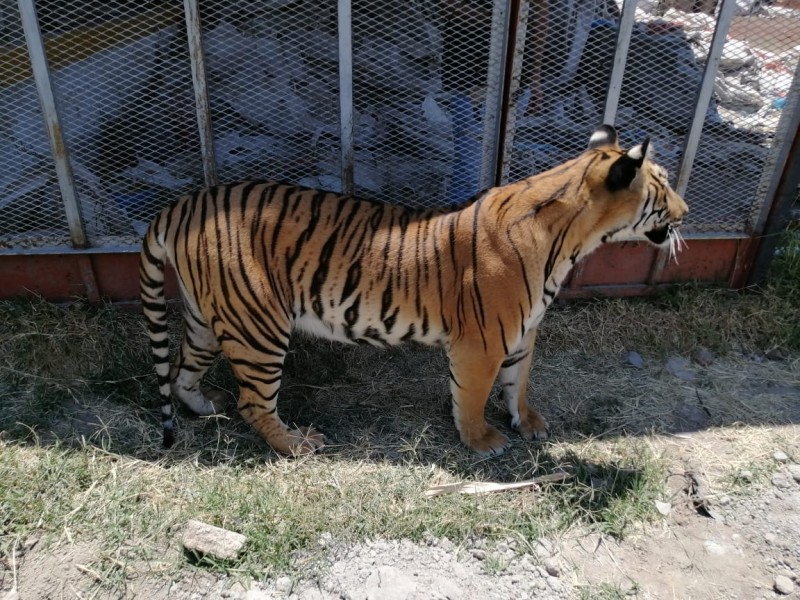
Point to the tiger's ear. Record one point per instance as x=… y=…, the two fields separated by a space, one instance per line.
x=626 y=168
x=605 y=135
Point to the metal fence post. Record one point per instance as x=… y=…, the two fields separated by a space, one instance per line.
x=785 y=133
x=345 y=21
x=704 y=95
x=620 y=56
x=498 y=46
x=194 y=31
x=55 y=133
x=513 y=75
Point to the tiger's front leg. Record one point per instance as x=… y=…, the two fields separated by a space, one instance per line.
x=472 y=374
x=514 y=377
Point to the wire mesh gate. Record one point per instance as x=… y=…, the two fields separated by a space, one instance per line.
x=109 y=110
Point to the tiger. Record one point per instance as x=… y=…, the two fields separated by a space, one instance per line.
x=255 y=261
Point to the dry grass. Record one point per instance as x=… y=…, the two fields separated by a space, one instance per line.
x=80 y=452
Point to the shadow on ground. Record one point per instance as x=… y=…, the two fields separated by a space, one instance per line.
x=87 y=379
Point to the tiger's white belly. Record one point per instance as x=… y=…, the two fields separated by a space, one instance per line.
x=309 y=323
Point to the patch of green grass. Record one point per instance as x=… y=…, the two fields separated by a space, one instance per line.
x=282 y=507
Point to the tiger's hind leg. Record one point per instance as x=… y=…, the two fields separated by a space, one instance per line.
x=259 y=374
x=472 y=374
x=513 y=379
x=198 y=350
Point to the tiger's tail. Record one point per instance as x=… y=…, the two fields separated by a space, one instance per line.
x=154 y=307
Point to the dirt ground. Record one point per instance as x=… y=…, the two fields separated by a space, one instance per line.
x=729 y=433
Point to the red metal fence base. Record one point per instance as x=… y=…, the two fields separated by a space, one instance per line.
x=614 y=270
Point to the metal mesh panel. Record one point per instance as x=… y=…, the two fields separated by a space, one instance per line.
x=427 y=77
x=735 y=153
x=273 y=82
x=31 y=212
x=425 y=81
x=568 y=52
x=560 y=95
x=123 y=84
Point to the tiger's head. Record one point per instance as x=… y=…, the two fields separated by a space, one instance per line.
x=638 y=202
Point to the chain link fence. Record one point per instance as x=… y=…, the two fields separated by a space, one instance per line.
x=423 y=102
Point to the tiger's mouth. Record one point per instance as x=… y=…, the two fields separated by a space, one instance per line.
x=659 y=235
x=668 y=233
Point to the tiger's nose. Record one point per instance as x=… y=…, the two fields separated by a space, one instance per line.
x=681 y=209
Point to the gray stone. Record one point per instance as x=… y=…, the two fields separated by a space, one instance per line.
x=479 y=554
x=775 y=354
x=702 y=356
x=783 y=585
x=552 y=567
x=745 y=475
x=635 y=359
x=390 y=583
x=780 y=456
x=206 y=539
x=794 y=471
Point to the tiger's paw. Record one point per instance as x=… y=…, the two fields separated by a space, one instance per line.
x=300 y=442
x=490 y=443
x=532 y=427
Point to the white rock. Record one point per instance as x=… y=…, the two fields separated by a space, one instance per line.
x=214 y=541
x=780 y=456
x=783 y=585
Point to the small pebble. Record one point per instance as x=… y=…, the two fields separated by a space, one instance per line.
x=746 y=475
x=635 y=359
x=780 y=456
x=702 y=356
x=794 y=471
x=724 y=500
x=783 y=585
x=775 y=354
x=479 y=554
x=552 y=567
